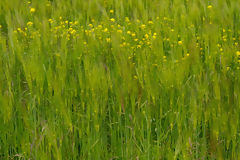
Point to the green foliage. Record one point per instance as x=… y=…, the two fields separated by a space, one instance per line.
x=119 y=79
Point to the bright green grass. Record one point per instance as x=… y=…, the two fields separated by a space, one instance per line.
x=119 y=79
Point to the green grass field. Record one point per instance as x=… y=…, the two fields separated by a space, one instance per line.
x=120 y=79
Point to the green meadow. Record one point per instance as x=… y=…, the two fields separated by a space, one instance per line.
x=119 y=79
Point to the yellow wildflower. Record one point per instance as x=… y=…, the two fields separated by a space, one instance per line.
x=146 y=36
x=100 y=26
x=73 y=31
x=108 y=39
x=90 y=25
x=143 y=26
x=111 y=11
x=180 y=42
x=119 y=31
x=29 y=24
x=209 y=6
x=32 y=10
x=150 y=22
x=238 y=53
x=105 y=30
x=112 y=20
x=127 y=19
x=50 y=20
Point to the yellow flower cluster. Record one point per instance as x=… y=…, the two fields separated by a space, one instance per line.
x=132 y=35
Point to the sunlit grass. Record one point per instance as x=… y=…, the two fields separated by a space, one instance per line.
x=136 y=79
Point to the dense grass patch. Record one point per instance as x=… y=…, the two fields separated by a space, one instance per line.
x=119 y=79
